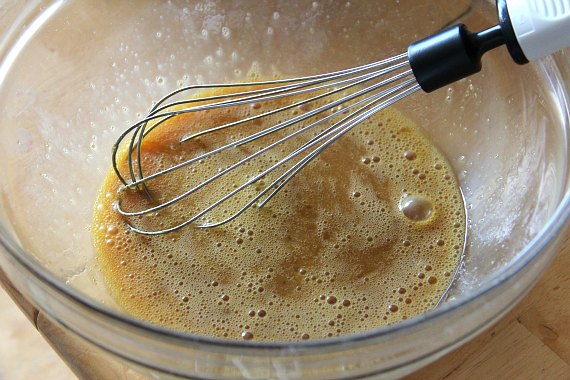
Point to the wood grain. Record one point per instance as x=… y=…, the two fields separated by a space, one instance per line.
x=531 y=342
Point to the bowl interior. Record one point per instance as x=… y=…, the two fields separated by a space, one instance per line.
x=86 y=71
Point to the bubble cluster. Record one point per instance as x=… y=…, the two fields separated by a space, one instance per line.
x=369 y=235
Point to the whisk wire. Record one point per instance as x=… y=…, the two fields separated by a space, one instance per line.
x=358 y=104
x=306 y=80
x=340 y=128
x=261 y=95
x=282 y=180
x=387 y=103
x=273 y=128
x=370 y=101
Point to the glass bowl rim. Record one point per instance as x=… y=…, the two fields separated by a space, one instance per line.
x=529 y=253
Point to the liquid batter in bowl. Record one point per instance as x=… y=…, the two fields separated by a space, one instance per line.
x=73 y=84
x=370 y=234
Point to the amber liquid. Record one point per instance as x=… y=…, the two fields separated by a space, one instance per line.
x=369 y=234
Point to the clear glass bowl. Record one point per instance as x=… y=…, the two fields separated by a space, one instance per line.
x=74 y=74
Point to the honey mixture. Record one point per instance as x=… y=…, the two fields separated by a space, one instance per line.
x=369 y=234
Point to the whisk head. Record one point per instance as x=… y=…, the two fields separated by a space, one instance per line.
x=203 y=161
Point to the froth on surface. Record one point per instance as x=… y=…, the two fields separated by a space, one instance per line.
x=369 y=234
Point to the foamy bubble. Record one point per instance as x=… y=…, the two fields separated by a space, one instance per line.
x=416 y=208
x=226 y=32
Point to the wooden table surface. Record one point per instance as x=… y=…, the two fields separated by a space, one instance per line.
x=531 y=342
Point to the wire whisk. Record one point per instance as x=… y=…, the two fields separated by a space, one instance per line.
x=350 y=97
x=332 y=104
